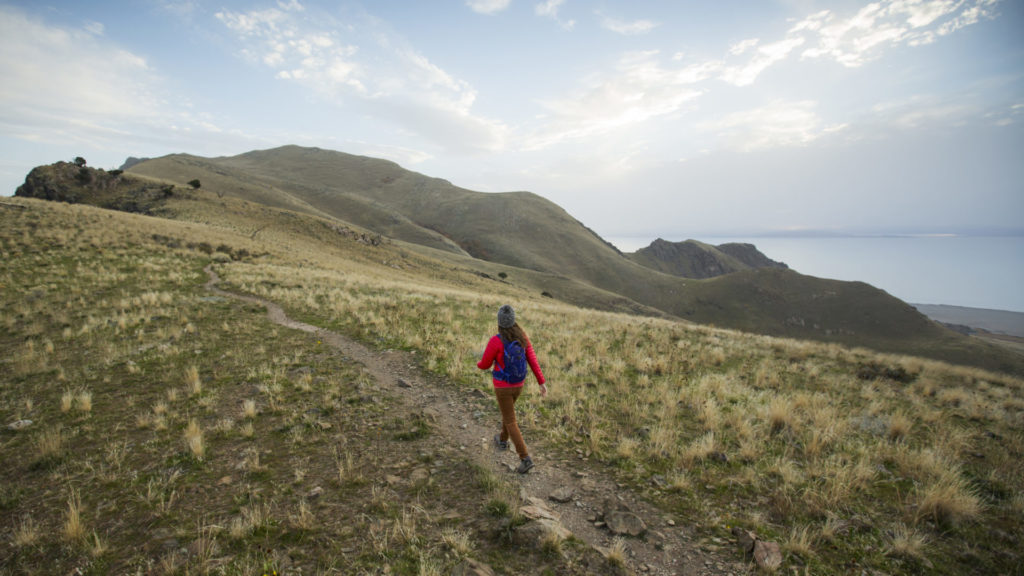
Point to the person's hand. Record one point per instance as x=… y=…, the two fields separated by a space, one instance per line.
x=543 y=390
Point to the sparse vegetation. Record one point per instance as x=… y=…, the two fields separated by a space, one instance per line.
x=715 y=427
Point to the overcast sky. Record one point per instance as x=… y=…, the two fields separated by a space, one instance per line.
x=647 y=118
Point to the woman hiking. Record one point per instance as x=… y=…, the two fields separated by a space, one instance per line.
x=509 y=351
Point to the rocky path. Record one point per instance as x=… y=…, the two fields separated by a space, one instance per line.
x=584 y=501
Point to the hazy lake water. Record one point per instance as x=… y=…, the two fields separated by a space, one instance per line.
x=973 y=271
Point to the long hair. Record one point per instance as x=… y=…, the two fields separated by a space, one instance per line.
x=515 y=332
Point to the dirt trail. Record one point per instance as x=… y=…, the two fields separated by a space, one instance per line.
x=666 y=549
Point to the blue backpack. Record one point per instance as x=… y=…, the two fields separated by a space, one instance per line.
x=515 y=363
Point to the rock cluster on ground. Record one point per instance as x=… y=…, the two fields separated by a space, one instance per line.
x=767 y=555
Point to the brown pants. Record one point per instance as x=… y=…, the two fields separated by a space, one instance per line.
x=509 y=427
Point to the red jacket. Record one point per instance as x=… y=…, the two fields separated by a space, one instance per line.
x=494 y=355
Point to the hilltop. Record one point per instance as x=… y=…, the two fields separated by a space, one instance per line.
x=523 y=234
x=693 y=259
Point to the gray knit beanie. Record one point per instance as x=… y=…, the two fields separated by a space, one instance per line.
x=506 y=316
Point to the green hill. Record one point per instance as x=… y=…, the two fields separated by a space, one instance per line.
x=540 y=243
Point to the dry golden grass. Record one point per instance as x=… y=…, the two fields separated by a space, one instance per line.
x=551 y=541
x=194 y=440
x=66 y=401
x=97 y=547
x=205 y=546
x=84 y=401
x=50 y=443
x=615 y=554
x=950 y=500
x=626 y=448
x=73 y=528
x=251 y=518
x=680 y=481
x=458 y=541
x=779 y=414
x=699 y=449
x=800 y=541
x=193 y=384
x=694 y=390
x=27 y=533
x=303 y=518
x=908 y=542
x=900 y=425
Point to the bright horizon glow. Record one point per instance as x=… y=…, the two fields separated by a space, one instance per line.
x=639 y=118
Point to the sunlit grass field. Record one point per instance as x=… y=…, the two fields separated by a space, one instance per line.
x=150 y=427
x=155 y=404
x=806 y=443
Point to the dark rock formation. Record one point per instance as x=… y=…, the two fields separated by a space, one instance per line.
x=71 y=183
x=692 y=259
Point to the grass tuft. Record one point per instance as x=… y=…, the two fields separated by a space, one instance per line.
x=26 y=533
x=74 y=529
x=194 y=440
x=907 y=542
x=950 y=500
x=66 y=401
x=50 y=445
x=615 y=554
x=193 y=384
x=899 y=426
x=457 y=541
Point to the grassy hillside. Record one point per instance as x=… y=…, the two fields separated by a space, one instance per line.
x=526 y=231
x=159 y=429
x=178 y=432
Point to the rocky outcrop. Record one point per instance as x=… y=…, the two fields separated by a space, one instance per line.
x=77 y=183
x=693 y=259
x=749 y=254
x=132 y=161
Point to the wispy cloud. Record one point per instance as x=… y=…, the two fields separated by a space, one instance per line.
x=740 y=48
x=764 y=57
x=366 y=63
x=487 y=6
x=640 y=88
x=862 y=37
x=68 y=85
x=778 y=124
x=549 y=9
x=60 y=80
x=630 y=28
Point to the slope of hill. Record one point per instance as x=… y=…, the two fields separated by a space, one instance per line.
x=534 y=236
x=693 y=259
x=154 y=426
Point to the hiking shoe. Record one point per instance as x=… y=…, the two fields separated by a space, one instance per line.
x=525 y=465
x=499 y=444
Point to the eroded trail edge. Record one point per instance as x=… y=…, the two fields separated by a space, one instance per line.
x=579 y=494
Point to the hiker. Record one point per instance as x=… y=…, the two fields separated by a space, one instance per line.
x=509 y=351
